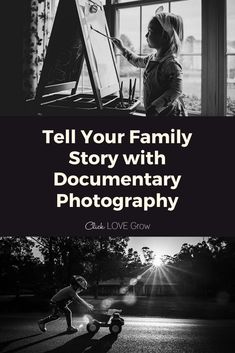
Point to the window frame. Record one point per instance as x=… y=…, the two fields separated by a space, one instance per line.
x=141 y=4
x=214 y=58
x=227 y=54
x=213 y=55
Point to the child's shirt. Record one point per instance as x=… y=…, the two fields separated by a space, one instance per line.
x=65 y=295
x=162 y=82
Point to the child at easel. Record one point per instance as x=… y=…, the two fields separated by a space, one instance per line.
x=163 y=73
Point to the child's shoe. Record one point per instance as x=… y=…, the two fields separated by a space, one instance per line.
x=42 y=326
x=72 y=329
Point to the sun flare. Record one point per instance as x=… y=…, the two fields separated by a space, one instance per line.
x=157 y=262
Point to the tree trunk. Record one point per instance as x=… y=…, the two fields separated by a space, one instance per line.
x=96 y=294
x=51 y=262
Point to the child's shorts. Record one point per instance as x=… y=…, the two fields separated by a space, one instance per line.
x=59 y=307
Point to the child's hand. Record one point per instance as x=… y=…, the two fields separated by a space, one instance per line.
x=90 y=307
x=118 y=43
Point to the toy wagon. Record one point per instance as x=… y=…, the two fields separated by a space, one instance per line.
x=110 y=318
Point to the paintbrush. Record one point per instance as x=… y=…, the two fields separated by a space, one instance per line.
x=133 y=91
x=130 y=91
x=102 y=34
x=121 y=94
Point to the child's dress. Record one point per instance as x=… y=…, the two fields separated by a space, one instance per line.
x=162 y=84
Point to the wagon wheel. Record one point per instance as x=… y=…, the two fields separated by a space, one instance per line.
x=115 y=328
x=93 y=327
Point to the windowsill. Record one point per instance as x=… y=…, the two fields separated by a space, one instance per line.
x=194 y=113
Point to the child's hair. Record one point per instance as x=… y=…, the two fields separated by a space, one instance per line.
x=173 y=30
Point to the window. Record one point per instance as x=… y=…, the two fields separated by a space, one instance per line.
x=132 y=23
x=230 y=57
x=190 y=57
x=130 y=35
x=122 y=1
x=207 y=56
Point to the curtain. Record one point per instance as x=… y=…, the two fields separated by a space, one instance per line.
x=38 y=24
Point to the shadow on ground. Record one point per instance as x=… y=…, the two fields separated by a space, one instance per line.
x=3 y=345
x=86 y=343
x=79 y=344
x=7 y=343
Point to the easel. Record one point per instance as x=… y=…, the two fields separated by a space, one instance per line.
x=80 y=32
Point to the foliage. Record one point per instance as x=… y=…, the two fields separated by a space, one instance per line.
x=97 y=259
x=17 y=263
x=206 y=268
x=125 y=68
x=148 y=256
x=63 y=256
x=132 y=261
x=127 y=42
x=192 y=102
x=230 y=106
x=104 y=258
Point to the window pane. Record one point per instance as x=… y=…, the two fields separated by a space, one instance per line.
x=147 y=13
x=122 y=1
x=192 y=81
x=231 y=58
x=231 y=84
x=190 y=11
x=231 y=26
x=129 y=32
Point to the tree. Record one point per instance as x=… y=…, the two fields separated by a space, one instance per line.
x=167 y=260
x=97 y=259
x=126 y=69
x=207 y=267
x=148 y=256
x=127 y=42
x=133 y=261
x=105 y=258
x=63 y=256
x=223 y=253
x=16 y=261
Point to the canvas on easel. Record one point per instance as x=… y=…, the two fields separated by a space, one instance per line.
x=79 y=31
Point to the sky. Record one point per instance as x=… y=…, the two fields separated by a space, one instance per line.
x=231 y=19
x=162 y=245
x=189 y=10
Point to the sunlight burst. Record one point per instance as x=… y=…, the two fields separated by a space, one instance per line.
x=157 y=262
